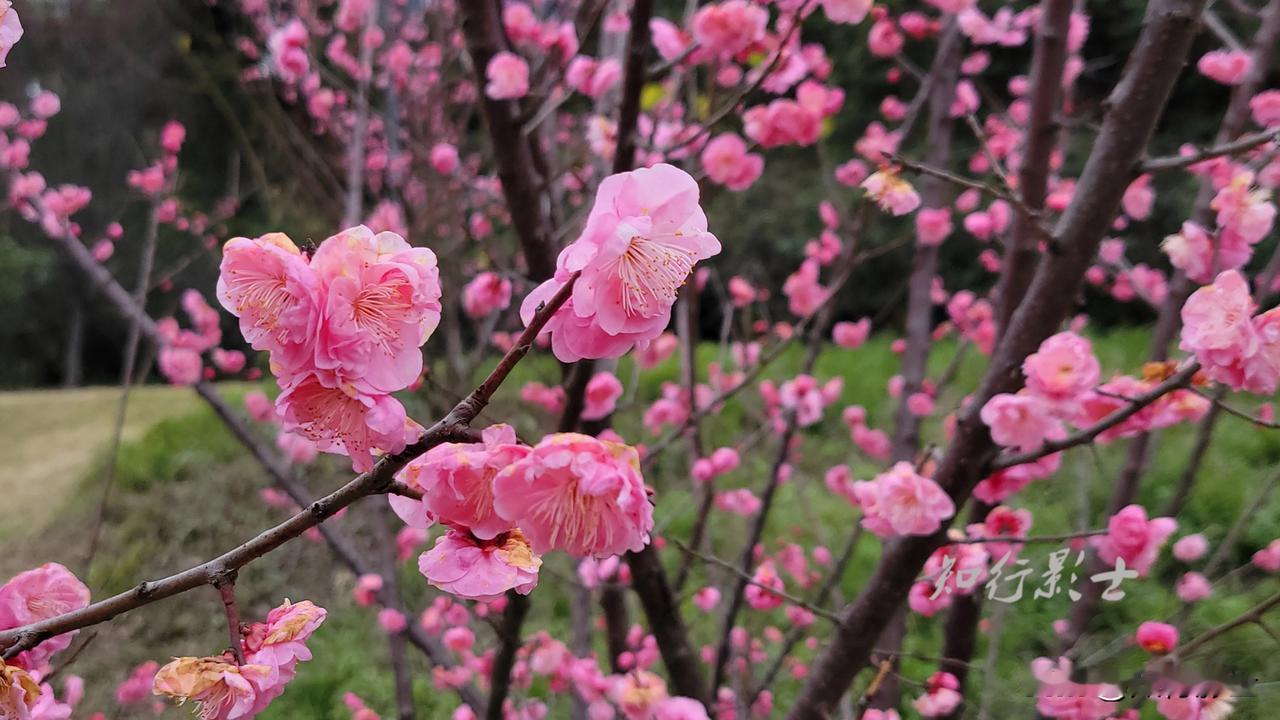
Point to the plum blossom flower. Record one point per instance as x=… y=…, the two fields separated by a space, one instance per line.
x=269 y=286
x=1193 y=587
x=891 y=192
x=1062 y=699
x=382 y=302
x=902 y=502
x=486 y=294
x=679 y=708
x=507 y=75
x=1268 y=558
x=456 y=480
x=601 y=397
x=220 y=689
x=10 y=30
x=851 y=335
x=444 y=158
x=1063 y=368
x=729 y=27
x=481 y=569
x=804 y=293
x=1233 y=347
x=1157 y=638
x=759 y=593
x=19 y=692
x=578 y=494
x=1225 y=66
x=641 y=241
x=288 y=45
x=941 y=696
x=39 y=594
x=1023 y=421
x=847 y=12
x=1190 y=548
x=933 y=225
x=344 y=420
x=727 y=162
x=1133 y=538
x=137 y=687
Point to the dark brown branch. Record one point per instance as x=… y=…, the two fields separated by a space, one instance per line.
x=1235 y=147
x=508 y=644
x=227 y=591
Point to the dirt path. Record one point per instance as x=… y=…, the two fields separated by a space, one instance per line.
x=49 y=440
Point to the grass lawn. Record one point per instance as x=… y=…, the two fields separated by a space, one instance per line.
x=186 y=490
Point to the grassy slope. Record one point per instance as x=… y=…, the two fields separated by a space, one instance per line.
x=190 y=462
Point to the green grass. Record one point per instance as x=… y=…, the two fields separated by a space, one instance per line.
x=186 y=491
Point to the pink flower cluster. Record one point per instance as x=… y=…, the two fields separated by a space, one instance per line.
x=486 y=294
x=1059 y=376
x=1133 y=538
x=225 y=690
x=506 y=504
x=1234 y=347
x=34 y=595
x=642 y=239
x=343 y=329
x=901 y=501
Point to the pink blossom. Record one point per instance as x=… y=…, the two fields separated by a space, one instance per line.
x=1002 y=522
x=891 y=192
x=220 y=690
x=601 y=397
x=933 y=225
x=1268 y=558
x=727 y=162
x=658 y=350
x=884 y=40
x=851 y=335
x=578 y=494
x=1062 y=699
x=1225 y=66
x=1138 y=198
x=45 y=104
x=39 y=594
x=260 y=407
x=481 y=569
x=758 y=593
x=487 y=293
x=706 y=599
x=641 y=242
x=848 y=12
x=739 y=502
x=1022 y=421
x=508 y=76
x=1062 y=369
x=444 y=158
x=1233 y=348
x=1265 y=107
x=172 y=135
x=941 y=696
x=456 y=480
x=782 y=122
x=678 y=708
x=344 y=420
x=727 y=28
x=228 y=361
x=1157 y=638
x=382 y=303
x=903 y=502
x=10 y=30
x=670 y=41
x=1243 y=210
x=1195 y=253
x=367 y=588
x=181 y=366
x=804 y=294
x=288 y=45
x=1190 y=548
x=1133 y=538
x=392 y=621
x=268 y=284
x=873 y=714
x=637 y=693
x=137 y=687
x=1193 y=587
x=550 y=399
